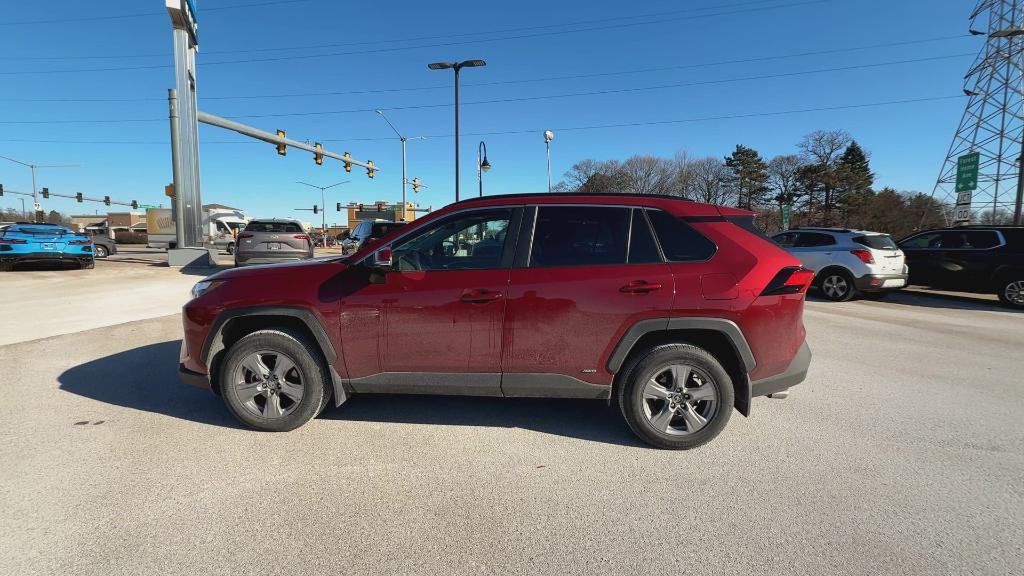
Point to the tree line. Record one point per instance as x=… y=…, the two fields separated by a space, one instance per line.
x=826 y=182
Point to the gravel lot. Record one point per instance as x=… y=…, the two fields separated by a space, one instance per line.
x=902 y=453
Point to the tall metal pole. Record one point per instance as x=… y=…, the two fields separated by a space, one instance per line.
x=457 y=67
x=548 y=145
x=1020 y=185
x=179 y=199
x=404 y=179
x=34 y=199
x=323 y=215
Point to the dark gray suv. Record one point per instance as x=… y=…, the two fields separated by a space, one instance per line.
x=267 y=241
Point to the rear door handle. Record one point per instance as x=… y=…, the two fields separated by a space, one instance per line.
x=640 y=287
x=480 y=296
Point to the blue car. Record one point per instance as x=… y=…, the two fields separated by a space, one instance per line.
x=27 y=242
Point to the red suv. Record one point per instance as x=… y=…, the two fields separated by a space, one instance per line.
x=677 y=310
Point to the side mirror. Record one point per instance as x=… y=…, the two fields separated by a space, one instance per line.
x=382 y=258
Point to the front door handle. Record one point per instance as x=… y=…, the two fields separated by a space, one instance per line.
x=480 y=296
x=640 y=287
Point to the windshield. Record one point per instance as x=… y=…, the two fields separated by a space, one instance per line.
x=278 y=227
x=876 y=241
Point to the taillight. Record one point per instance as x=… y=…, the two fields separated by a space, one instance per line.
x=864 y=255
x=789 y=281
x=303 y=237
x=244 y=235
x=13 y=241
x=80 y=242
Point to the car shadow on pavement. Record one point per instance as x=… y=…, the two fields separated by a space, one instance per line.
x=590 y=420
x=146 y=378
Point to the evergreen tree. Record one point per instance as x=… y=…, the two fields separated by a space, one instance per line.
x=748 y=177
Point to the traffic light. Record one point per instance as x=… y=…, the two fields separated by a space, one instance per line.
x=360 y=207
x=46 y=192
x=106 y=200
x=169 y=190
x=319 y=155
x=78 y=196
x=281 y=148
x=338 y=207
x=416 y=184
x=135 y=204
x=348 y=165
x=369 y=168
x=316 y=209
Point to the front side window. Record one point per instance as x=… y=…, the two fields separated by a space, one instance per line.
x=471 y=241
x=580 y=236
x=922 y=241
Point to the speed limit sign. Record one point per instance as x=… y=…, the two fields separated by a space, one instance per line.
x=962 y=214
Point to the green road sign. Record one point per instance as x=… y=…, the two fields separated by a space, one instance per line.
x=786 y=210
x=967 y=172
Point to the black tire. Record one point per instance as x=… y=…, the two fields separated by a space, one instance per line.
x=86 y=264
x=842 y=288
x=6 y=266
x=1010 y=290
x=308 y=364
x=646 y=366
x=101 y=251
x=230 y=248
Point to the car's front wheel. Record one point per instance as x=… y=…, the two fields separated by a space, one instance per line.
x=676 y=396
x=274 y=380
x=1011 y=290
x=101 y=251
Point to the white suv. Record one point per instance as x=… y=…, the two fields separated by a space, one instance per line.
x=847 y=261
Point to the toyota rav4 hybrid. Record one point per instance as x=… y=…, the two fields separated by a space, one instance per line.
x=676 y=311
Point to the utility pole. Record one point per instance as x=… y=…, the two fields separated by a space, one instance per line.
x=992 y=124
x=403 y=139
x=33 y=167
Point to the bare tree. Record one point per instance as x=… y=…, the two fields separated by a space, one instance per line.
x=783 y=174
x=708 y=183
x=647 y=175
x=821 y=150
x=682 y=174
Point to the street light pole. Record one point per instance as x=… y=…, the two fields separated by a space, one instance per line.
x=456 y=66
x=33 y=167
x=403 y=139
x=548 y=137
x=482 y=165
x=323 y=204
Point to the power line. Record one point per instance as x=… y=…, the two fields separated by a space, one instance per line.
x=144 y=14
x=563 y=129
x=523 y=98
x=420 y=46
x=404 y=39
x=515 y=81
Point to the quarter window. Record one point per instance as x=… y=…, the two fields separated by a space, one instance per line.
x=580 y=236
x=679 y=241
x=471 y=241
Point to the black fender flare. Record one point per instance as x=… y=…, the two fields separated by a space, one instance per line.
x=728 y=328
x=215 y=338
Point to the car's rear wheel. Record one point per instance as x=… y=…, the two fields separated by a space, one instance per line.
x=231 y=248
x=676 y=396
x=836 y=285
x=1011 y=291
x=100 y=251
x=6 y=266
x=274 y=380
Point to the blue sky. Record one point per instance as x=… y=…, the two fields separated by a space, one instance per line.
x=375 y=56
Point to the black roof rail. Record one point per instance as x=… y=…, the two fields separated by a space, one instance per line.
x=574 y=194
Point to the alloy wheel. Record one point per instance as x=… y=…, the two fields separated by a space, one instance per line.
x=1014 y=292
x=835 y=286
x=680 y=399
x=269 y=384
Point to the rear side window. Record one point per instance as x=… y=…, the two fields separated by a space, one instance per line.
x=876 y=241
x=814 y=239
x=580 y=236
x=922 y=241
x=642 y=247
x=273 y=227
x=679 y=241
x=747 y=223
x=786 y=240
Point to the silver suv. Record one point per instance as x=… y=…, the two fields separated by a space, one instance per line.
x=272 y=240
x=847 y=261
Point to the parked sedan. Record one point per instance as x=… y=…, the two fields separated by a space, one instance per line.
x=27 y=242
x=846 y=262
x=104 y=246
x=272 y=240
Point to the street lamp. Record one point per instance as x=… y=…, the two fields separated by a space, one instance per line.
x=482 y=165
x=456 y=66
x=33 y=167
x=548 y=137
x=323 y=204
x=404 y=139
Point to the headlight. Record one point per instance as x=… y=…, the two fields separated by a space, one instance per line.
x=205 y=286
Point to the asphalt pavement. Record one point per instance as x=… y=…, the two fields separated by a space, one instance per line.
x=902 y=453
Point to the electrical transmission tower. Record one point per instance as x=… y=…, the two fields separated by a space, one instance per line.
x=992 y=124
